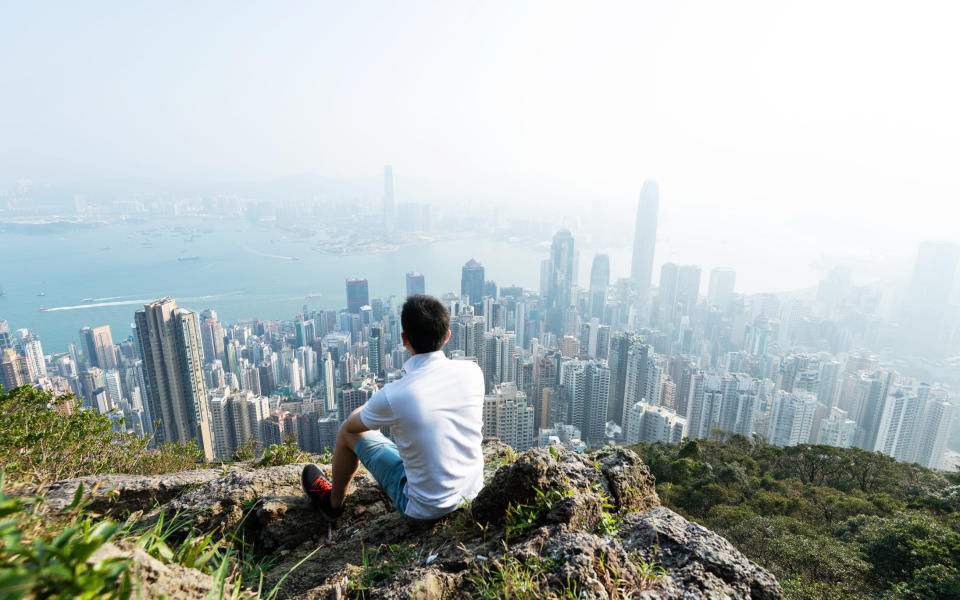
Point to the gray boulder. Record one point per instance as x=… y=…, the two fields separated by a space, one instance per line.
x=700 y=563
x=128 y=493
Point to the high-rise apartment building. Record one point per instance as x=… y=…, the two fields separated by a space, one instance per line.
x=499 y=360
x=36 y=363
x=791 y=418
x=358 y=295
x=837 y=430
x=173 y=369
x=645 y=239
x=508 y=416
x=649 y=423
x=97 y=345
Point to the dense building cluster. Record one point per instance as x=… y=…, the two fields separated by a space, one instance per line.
x=615 y=362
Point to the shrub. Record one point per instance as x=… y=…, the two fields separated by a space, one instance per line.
x=44 y=439
x=285 y=453
x=44 y=561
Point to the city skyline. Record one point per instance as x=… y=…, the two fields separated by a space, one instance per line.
x=583 y=365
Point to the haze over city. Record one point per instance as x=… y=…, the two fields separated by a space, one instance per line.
x=595 y=300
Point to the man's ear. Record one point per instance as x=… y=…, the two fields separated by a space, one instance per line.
x=446 y=339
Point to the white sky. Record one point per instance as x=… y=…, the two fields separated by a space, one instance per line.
x=827 y=128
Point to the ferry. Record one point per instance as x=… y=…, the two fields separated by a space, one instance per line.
x=44 y=309
x=88 y=300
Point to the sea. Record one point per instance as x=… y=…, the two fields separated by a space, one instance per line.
x=101 y=276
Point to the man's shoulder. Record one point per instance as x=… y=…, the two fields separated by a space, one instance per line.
x=460 y=368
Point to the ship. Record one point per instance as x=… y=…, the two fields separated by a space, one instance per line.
x=88 y=299
x=317 y=295
x=41 y=293
x=44 y=309
x=183 y=258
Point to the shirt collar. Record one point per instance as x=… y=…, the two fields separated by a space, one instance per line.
x=418 y=360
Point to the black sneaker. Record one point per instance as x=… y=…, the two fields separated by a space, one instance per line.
x=318 y=489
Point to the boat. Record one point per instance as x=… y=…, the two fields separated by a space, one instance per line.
x=317 y=295
x=2 y=293
x=88 y=299
x=41 y=293
x=44 y=309
x=183 y=258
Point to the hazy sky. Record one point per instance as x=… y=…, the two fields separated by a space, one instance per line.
x=827 y=127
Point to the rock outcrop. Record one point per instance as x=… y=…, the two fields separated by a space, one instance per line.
x=547 y=523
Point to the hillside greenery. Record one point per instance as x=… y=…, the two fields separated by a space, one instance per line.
x=43 y=439
x=830 y=523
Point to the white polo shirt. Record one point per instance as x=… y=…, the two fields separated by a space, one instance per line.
x=435 y=412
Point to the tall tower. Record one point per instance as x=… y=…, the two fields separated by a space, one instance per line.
x=358 y=295
x=471 y=281
x=688 y=288
x=722 y=281
x=98 y=347
x=388 y=210
x=173 y=367
x=645 y=238
x=563 y=265
x=599 y=282
x=415 y=284
x=925 y=309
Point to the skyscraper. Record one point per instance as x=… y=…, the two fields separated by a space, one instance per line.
x=98 y=347
x=791 y=418
x=173 y=368
x=471 y=282
x=927 y=298
x=688 y=288
x=357 y=295
x=667 y=291
x=722 y=281
x=375 y=351
x=388 y=210
x=599 y=282
x=645 y=238
x=415 y=284
x=562 y=269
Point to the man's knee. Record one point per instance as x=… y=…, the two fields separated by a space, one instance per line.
x=349 y=439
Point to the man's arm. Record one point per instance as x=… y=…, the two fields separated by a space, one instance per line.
x=354 y=424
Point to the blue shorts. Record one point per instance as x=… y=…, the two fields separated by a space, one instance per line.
x=380 y=456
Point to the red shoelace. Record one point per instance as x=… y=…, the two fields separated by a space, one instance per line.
x=321 y=485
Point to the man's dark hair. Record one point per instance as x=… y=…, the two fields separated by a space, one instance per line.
x=426 y=321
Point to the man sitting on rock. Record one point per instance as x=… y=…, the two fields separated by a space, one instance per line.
x=435 y=415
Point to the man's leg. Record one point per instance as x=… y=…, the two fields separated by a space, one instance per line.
x=344 y=465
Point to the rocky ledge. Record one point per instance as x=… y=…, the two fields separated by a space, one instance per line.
x=549 y=523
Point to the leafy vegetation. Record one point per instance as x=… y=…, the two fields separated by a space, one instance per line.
x=43 y=560
x=284 y=453
x=43 y=439
x=830 y=523
x=46 y=554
